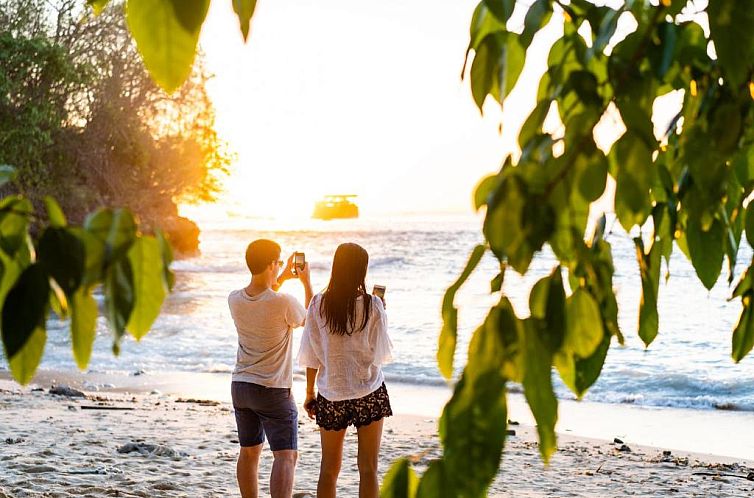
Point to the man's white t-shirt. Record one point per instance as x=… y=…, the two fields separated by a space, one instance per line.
x=264 y=324
x=350 y=366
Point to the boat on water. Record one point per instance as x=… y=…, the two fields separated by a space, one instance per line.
x=336 y=207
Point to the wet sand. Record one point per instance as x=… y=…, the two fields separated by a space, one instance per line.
x=163 y=445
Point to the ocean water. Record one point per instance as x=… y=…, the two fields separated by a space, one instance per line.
x=416 y=258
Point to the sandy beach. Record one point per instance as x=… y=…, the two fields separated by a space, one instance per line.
x=155 y=444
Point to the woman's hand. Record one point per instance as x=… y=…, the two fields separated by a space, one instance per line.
x=310 y=405
x=303 y=275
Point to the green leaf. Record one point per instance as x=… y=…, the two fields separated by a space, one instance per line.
x=58 y=300
x=730 y=24
x=24 y=364
x=15 y=212
x=447 y=343
x=502 y=9
x=484 y=189
x=706 y=250
x=538 y=389
x=97 y=5
x=583 y=324
x=435 y=482
x=149 y=285
x=244 y=10
x=590 y=173
x=750 y=223
x=116 y=228
x=605 y=30
x=585 y=85
x=649 y=268
x=119 y=296
x=83 y=326
x=536 y=17
x=10 y=269
x=191 y=13
x=166 y=46
x=533 y=124
x=62 y=256
x=547 y=305
x=662 y=55
x=638 y=121
x=516 y=225
x=632 y=160
x=743 y=334
x=472 y=426
x=483 y=22
x=400 y=481
x=496 y=67
x=167 y=259
x=579 y=374
x=743 y=165
x=25 y=309
x=744 y=285
x=676 y=6
x=54 y=213
x=497 y=282
x=7 y=174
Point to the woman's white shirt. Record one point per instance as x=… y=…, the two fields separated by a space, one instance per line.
x=350 y=366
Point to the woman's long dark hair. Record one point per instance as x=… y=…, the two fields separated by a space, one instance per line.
x=349 y=268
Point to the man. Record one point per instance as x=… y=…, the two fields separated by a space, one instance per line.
x=262 y=379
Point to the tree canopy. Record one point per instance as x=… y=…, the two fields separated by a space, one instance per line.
x=81 y=119
x=82 y=122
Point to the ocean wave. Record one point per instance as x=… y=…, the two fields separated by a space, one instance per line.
x=421 y=380
x=218 y=368
x=387 y=261
x=669 y=399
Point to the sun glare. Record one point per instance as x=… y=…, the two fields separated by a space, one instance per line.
x=347 y=106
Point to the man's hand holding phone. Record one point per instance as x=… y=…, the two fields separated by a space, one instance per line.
x=287 y=272
x=300 y=267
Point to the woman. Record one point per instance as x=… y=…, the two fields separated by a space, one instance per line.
x=345 y=342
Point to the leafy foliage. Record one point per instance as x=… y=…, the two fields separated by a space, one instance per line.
x=60 y=269
x=687 y=187
x=82 y=121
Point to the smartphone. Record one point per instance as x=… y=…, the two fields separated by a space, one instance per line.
x=299 y=260
x=379 y=291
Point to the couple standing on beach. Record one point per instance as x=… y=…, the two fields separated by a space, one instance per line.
x=343 y=346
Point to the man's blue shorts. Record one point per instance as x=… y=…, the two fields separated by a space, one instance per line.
x=264 y=411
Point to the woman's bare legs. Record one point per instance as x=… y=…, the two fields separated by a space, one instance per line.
x=329 y=467
x=370 y=437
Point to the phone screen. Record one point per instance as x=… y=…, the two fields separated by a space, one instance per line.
x=379 y=290
x=299 y=260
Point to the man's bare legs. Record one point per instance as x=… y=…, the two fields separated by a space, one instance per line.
x=247 y=471
x=281 y=478
x=329 y=467
x=283 y=471
x=370 y=437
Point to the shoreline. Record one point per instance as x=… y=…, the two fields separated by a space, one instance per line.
x=699 y=432
x=149 y=445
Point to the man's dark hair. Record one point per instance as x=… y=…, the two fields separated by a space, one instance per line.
x=261 y=253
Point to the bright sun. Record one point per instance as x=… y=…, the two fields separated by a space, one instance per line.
x=344 y=98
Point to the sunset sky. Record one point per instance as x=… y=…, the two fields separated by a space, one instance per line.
x=355 y=97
